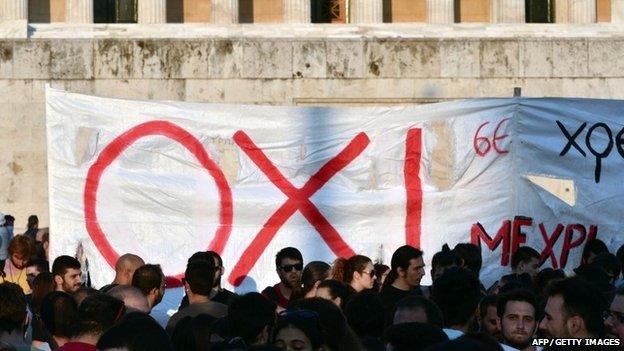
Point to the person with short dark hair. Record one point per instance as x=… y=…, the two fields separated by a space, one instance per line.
x=150 y=279
x=219 y=293
x=611 y=265
x=67 y=274
x=251 y=318
x=333 y=290
x=198 y=282
x=457 y=294
x=443 y=260
x=542 y=281
x=364 y=313
x=487 y=318
x=132 y=297
x=289 y=265
x=34 y=267
x=59 y=311
x=12 y=315
x=413 y=336
x=299 y=329
x=332 y=320
x=517 y=311
x=574 y=310
x=592 y=249
x=406 y=271
x=125 y=267
x=614 y=321
x=82 y=293
x=97 y=313
x=20 y=249
x=136 y=332
x=470 y=256
x=525 y=260
x=193 y=333
x=417 y=309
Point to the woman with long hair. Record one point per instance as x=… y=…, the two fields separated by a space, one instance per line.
x=358 y=272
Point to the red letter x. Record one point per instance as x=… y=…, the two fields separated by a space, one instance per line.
x=298 y=199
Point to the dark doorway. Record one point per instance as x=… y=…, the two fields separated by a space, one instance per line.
x=328 y=11
x=540 y=11
x=115 y=11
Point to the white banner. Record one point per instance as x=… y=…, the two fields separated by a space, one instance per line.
x=166 y=179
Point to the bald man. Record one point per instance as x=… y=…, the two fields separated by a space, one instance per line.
x=132 y=297
x=124 y=270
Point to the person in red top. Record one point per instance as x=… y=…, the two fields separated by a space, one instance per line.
x=96 y=314
x=289 y=264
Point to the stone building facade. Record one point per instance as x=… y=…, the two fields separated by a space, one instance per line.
x=294 y=63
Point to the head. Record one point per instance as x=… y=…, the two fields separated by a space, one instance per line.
x=365 y=314
x=251 y=317
x=199 y=279
x=219 y=269
x=42 y=285
x=332 y=320
x=298 y=330
x=543 y=279
x=592 y=249
x=34 y=267
x=469 y=256
x=313 y=274
x=21 y=248
x=488 y=316
x=125 y=266
x=132 y=297
x=193 y=333
x=33 y=222
x=67 y=274
x=82 y=293
x=13 y=311
x=150 y=280
x=443 y=260
x=98 y=313
x=334 y=291
x=135 y=332
x=413 y=336
x=611 y=265
x=525 y=260
x=614 y=321
x=574 y=309
x=457 y=293
x=406 y=267
x=517 y=312
x=596 y=275
x=417 y=309
x=359 y=272
x=381 y=271
x=289 y=264
x=58 y=313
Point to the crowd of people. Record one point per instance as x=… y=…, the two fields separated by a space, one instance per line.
x=351 y=304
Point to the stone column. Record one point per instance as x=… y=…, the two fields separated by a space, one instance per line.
x=508 y=11
x=582 y=11
x=224 y=11
x=440 y=11
x=617 y=11
x=79 y=11
x=152 y=11
x=366 y=11
x=14 y=10
x=297 y=11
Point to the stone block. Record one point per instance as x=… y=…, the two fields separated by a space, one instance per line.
x=267 y=59
x=166 y=89
x=31 y=59
x=148 y=59
x=309 y=59
x=276 y=91
x=122 y=88
x=6 y=59
x=71 y=59
x=570 y=58
x=113 y=58
x=15 y=91
x=242 y=91
x=499 y=58
x=205 y=90
x=186 y=59
x=345 y=59
x=536 y=58
x=605 y=58
x=460 y=58
x=396 y=59
x=79 y=86
x=225 y=59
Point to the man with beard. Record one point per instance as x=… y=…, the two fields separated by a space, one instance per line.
x=615 y=316
x=574 y=310
x=220 y=294
x=406 y=270
x=289 y=264
x=518 y=320
x=67 y=274
x=19 y=251
x=150 y=279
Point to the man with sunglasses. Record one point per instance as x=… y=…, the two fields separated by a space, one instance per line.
x=289 y=264
x=614 y=318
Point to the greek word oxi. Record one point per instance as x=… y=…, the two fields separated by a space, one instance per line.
x=510 y=235
x=596 y=145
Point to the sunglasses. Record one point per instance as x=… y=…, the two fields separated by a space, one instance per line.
x=306 y=314
x=370 y=273
x=618 y=316
x=289 y=267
